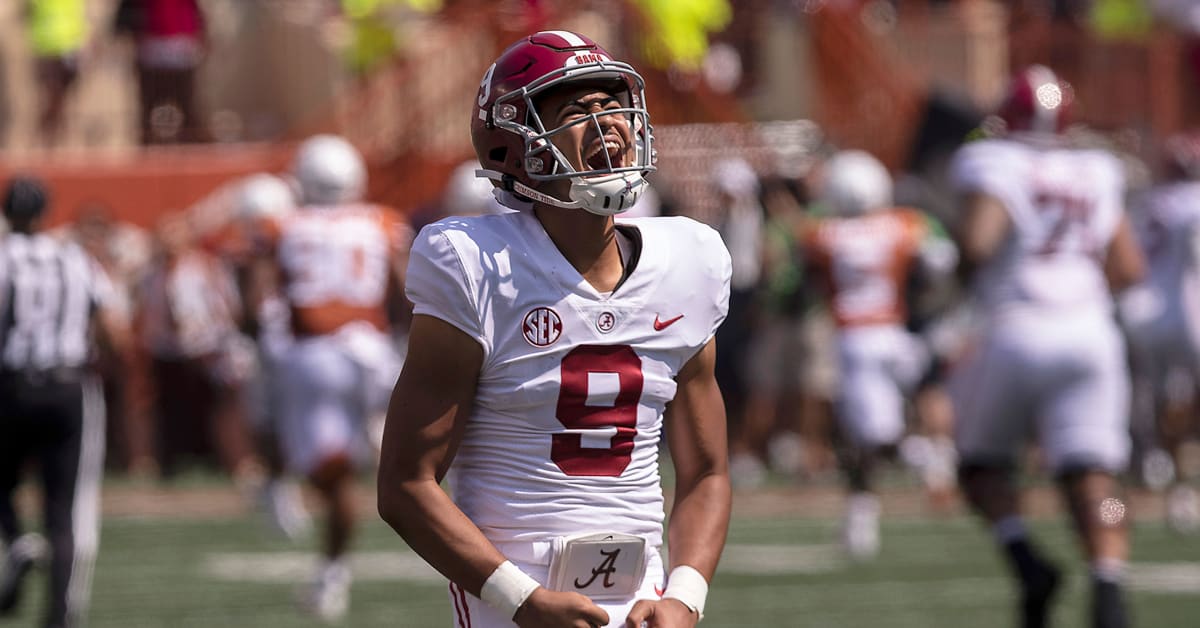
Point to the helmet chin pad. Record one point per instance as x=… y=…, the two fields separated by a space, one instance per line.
x=608 y=195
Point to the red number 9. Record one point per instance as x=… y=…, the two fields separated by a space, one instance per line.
x=567 y=450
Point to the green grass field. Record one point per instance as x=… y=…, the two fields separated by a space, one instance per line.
x=172 y=572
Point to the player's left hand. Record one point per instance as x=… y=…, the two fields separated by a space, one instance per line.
x=666 y=613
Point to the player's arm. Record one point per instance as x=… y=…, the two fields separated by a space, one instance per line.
x=399 y=310
x=1124 y=263
x=984 y=226
x=425 y=423
x=695 y=426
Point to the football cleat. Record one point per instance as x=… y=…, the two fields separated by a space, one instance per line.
x=860 y=527
x=1183 y=510
x=282 y=504
x=327 y=597
x=25 y=553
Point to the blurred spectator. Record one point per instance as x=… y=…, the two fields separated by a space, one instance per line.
x=188 y=305
x=1160 y=317
x=777 y=342
x=170 y=45
x=123 y=251
x=58 y=32
x=1184 y=17
x=741 y=227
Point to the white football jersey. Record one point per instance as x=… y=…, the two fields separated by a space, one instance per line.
x=1166 y=225
x=1164 y=310
x=565 y=431
x=1065 y=205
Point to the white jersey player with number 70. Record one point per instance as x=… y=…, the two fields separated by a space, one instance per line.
x=551 y=349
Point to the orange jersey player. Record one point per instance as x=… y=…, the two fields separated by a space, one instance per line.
x=338 y=264
x=865 y=253
x=864 y=263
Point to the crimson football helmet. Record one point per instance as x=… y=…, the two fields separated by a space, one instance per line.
x=514 y=145
x=1037 y=101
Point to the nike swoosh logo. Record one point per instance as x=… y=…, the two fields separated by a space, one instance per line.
x=661 y=325
x=659 y=592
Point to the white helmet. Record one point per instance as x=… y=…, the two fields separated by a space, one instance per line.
x=264 y=195
x=465 y=194
x=856 y=183
x=329 y=170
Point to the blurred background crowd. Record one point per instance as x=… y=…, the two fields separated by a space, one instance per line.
x=152 y=123
x=147 y=118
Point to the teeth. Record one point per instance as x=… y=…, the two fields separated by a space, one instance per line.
x=609 y=146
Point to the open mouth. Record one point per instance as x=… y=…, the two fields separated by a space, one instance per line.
x=605 y=153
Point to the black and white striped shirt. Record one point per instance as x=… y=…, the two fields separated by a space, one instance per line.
x=49 y=289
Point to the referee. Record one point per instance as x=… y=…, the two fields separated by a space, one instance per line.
x=53 y=301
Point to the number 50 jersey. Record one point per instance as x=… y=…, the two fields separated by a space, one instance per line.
x=568 y=413
x=1065 y=205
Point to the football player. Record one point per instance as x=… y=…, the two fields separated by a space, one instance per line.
x=551 y=350
x=864 y=253
x=339 y=263
x=260 y=200
x=1044 y=236
x=1161 y=318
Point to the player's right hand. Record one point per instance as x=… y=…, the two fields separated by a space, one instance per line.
x=555 y=609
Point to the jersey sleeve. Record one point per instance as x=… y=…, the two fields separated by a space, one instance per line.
x=438 y=285
x=720 y=272
x=982 y=167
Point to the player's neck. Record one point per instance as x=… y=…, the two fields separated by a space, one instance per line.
x=587 y=241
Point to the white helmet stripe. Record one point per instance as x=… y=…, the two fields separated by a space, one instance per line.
x=1045 y=118
x=572 y=39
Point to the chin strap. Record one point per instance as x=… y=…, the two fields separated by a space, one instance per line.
x=526 y=191
x=610 y=196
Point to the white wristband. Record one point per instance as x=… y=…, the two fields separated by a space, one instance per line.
x=507 y=589
x=688 y=586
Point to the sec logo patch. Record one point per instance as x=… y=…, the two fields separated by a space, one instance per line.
x=541 y=327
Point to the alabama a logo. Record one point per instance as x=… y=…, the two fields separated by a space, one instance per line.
x=606 y=321
x=605 y=569
x=541 y=327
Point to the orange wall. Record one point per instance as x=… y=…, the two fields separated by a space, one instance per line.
x=142 y=185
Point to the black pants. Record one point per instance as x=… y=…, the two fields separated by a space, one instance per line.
x=57 y=422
